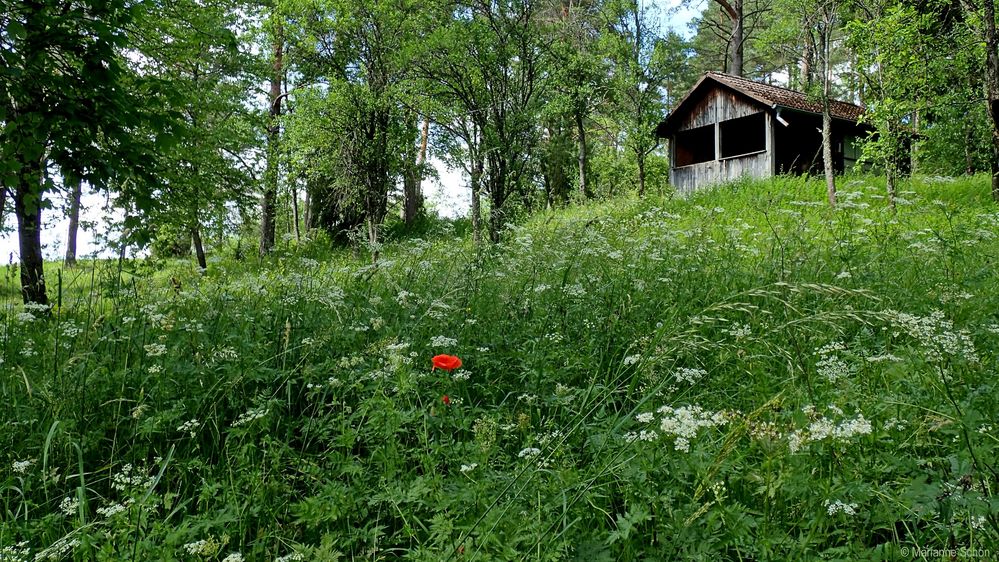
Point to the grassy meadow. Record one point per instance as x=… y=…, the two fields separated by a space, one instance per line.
x=744 y=374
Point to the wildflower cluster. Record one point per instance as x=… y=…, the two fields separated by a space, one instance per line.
x=682 y=424
x=936 y=334
x=822 y=428
x=834 y=507
x=250 y=416
x=831 y=365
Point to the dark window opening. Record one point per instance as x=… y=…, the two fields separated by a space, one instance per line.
x=694 y=146
x=744 y=135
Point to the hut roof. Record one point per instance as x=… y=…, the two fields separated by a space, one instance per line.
x=770 y=96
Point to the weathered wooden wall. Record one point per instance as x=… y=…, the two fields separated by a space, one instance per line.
x=718 y=104
x=697 y=176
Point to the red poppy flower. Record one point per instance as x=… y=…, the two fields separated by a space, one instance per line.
x=446 y=362
x=446 y=400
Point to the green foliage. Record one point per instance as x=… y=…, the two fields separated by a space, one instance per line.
x=205 y=179
x=646 y=65
x=923 y=92
x=63 y=100
x=348 y=133
x=744 y=374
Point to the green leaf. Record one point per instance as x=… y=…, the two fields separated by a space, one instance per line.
x=16 y=30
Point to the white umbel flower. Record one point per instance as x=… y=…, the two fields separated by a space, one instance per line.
x=529 y=452
x=834 y=507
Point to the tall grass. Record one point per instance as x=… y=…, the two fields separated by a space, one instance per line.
x=744 y=374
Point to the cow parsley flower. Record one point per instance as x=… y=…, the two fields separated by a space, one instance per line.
x=190 y=427
x=130 y=477
x=21 y=467
x=71 y=330
x=830 y=365
x=529 y=452
x=684 y=422
x=834 y=507
x=112 y=509
x=206 y=547
x=68 y=506
x=19 y=552
x=688 y=375
x=822 y=428
x=196 y=548
x=250 y=415
x=936 y=333
x=443 y=341
x=739 y=331
x=25 y=317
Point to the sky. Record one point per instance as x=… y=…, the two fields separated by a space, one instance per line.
x=448 y=195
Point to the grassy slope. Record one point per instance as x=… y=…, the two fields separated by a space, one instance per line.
x=779 y=357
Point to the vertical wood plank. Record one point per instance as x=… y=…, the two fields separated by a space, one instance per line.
x=771 y=153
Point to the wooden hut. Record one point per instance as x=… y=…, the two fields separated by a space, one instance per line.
x=727 y=127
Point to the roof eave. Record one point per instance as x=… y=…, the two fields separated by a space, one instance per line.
x=777 y=106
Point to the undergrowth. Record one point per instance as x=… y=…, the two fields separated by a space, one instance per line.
x=744 y=374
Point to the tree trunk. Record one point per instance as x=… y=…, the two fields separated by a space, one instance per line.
x=992 y=88
x=733 y=60
x=806 y=65
x=641 y=174
x=199 y=248
x=373 y=237
x=969 y=160
x=412 y=191
x=123 y=248
x=495 y=222
x=28 y=208
x=3 y=204
x=307 y=219
x=584 y=188
x=497 y=180
x=410 y=195
x=890 y=178
x=377 y=175
x=294 y=211
x=736 y=46
x=891 y=164
x=268 y=209
x=74 y=223
x=476 y=179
